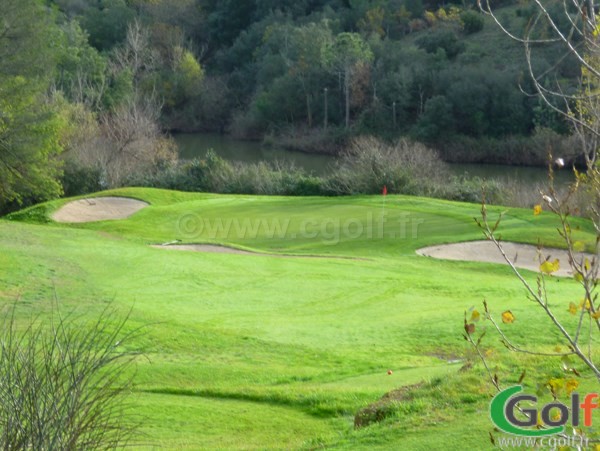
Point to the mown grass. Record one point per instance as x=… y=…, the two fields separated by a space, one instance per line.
x=263 y=352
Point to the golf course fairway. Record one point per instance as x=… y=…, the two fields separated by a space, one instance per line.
x=281 y=350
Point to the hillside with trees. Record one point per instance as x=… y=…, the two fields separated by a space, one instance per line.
x=103 y=82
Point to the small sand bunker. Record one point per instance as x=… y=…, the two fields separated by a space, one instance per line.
x=523 y=256
x=231 y=250
x=205 y=248
x=98 y=209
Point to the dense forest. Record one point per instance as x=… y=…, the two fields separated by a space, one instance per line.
x=102 y=82
x=388 y=67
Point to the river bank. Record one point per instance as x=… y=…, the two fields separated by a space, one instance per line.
x=195 y=145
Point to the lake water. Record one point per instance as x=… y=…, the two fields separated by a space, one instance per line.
x=195 y=145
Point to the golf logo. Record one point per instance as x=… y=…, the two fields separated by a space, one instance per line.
x=553 y=416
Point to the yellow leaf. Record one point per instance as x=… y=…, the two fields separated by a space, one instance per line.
x=537 y=210
x=572 y=308
x=475 y=315
x=578 y=277
x=555 y=385
x=578 y=246
x=587 y=264
x=585 y=305
x=571 y=385
x=508 y=317
x=549 y=267
x=596 y=314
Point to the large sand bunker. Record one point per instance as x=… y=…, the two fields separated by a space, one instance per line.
x=523 y=256
x=98 y=209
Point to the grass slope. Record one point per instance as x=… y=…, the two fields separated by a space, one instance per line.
x=248 y=351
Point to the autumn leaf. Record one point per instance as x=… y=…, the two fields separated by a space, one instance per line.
x=586 y=264
x=596 y=314
x=537 y=210
x=565 y=363
x=549 y=267
x=555 y=385
x=571 y=385
x=585 y=305
x=475 y=316
x=540 y=422
x=470 y=328
x=508 y=317
x=572 y=308
x=578 y=277
x=578 y=246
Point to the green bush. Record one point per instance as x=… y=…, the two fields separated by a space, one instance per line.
x=442 y=39
x=214 y=174
x=472 y=22
x=77 y=179
x=404 y=167
x=470 y=189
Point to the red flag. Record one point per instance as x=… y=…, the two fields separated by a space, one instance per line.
x=384 y=190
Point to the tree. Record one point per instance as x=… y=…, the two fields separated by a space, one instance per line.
x=107 y=23
x=295 y=53
x=345 y=57
x=29 y=167
x=82 y=72
x=573 y=34
x=437 y=120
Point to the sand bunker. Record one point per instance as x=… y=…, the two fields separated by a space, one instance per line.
x=98 y=209
x=205 y=248
x=523 y=256
x=231 y=250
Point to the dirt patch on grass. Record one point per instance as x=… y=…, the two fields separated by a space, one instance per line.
x=98 y=209
x=214 y=248
x=524 y=256
x=385 y=407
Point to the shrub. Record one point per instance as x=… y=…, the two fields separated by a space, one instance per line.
x=472 y=22
x=78 y=179
x=470 y=189
x=63 y=385
x=442 y=39
x=369 y=164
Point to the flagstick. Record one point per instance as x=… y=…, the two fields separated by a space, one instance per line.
x=383 y=210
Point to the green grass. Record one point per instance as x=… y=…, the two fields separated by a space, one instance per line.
x=265 y=352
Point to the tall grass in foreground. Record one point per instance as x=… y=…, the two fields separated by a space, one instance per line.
x=63 y=385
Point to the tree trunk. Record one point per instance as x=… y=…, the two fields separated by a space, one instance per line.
x=347 y=93
x=308 y=110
